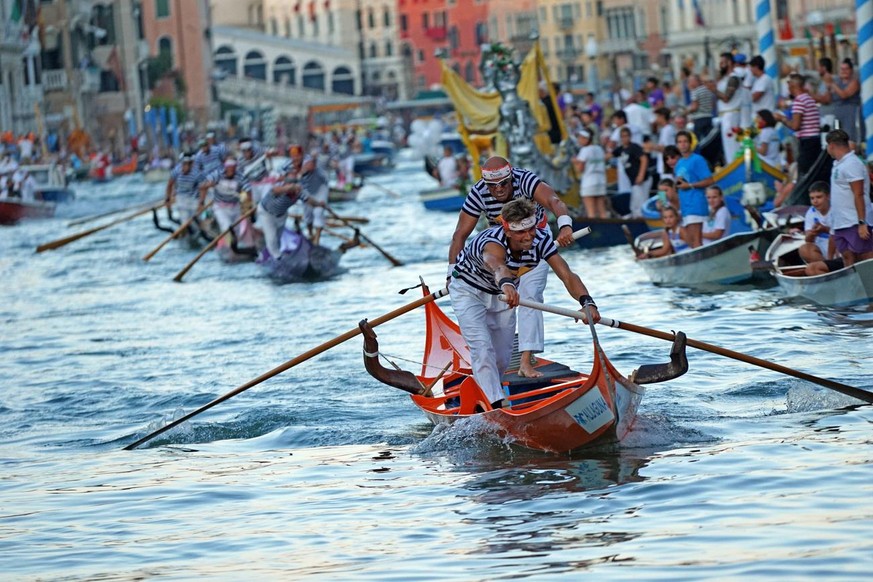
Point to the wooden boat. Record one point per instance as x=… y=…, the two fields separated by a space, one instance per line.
x=444 y=198
x=301 y=260
x=13 y=210
x=559 y=412
x=157 y=175
x=345 y=194
x=732 y=179
x=369 y=164
x=725 y=261
x=124 y=168
x=841 y=288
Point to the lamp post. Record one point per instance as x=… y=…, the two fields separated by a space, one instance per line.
x=591 y=52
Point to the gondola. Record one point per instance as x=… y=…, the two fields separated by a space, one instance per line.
x=561 y=411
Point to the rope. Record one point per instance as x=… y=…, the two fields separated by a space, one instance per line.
x=389 y=357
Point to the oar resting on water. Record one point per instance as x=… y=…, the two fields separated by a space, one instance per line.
x=176 y=233
x=85 y=219
x=74 y=237
x=291 y=363
x=858 y=393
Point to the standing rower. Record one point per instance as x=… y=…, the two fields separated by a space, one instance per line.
x=315 y=183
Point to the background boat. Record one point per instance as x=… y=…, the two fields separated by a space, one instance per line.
x=841 y=288
x=443 y=198
x=15 y=210
x=51 y=183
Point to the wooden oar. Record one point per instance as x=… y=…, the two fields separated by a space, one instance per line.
x=831 y=384
x=74 y=237
x=388 y=191
x=175 y=233
x=209 y=247
x=291 y=363
x=85 y=219
x=385 y=253
x=342 y=237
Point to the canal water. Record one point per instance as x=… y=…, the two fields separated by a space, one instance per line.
x=321 y=472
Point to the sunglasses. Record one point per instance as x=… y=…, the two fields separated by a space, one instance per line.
x=505 y=183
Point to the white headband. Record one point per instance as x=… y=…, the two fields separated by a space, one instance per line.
x=523 y=224
x=583 y=133
x=497 y=175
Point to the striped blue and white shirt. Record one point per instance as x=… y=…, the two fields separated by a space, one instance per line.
x=479 y=200
x=227 y=190
x=278 y=204
x=470 y=266
x=312 y=181
x=210 y=160
x=256 y=167
x=186 y=184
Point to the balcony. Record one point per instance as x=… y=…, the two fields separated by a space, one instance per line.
x=54 y=80
x=568 y=54
x=436 y=33
x=90 y=80
x=566 y=22
x=618 y=45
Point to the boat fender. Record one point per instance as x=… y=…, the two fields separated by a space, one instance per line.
x=654 y=373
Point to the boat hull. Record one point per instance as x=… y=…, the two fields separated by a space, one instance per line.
x=841 y=288
x=13 y=211
x=723 y=262
x=443 y=199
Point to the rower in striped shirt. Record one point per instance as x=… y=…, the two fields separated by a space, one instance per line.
x=182 y=186
x=228 y=186
x=210 y=155
x=315 y=183
x=253 y=164
x=273 y=211
x=501 y=183
x=493 y=263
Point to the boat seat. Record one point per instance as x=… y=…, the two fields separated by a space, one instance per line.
x=472 y=396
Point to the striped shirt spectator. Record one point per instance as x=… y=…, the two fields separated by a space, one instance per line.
x=471 y=268
x=805 y=105
x=479 y=200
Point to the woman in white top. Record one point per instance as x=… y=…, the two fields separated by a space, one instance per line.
x=767 y=142
x=718 y=224
x=590 y=162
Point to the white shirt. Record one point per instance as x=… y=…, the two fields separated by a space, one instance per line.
x=639 y=117
x=847 y=170
x=594 y=174
x=448 y=171
x=721 y=221
x=764 y=85
x=769 y=136
x=810 y=219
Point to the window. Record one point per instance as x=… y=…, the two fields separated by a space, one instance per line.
x=288 y=26
x=162 y=8
x=165 y=49
x=373 y=51
x=274 y=27
x=404 y=24
x=425 y=21
x=371 y=19
x=386 y=17
x=389 y=48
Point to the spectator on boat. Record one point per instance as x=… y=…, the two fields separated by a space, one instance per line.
x=785 y=187
x=851 y=210
x=767 y=142
x=718 y=223
x=590 y=164
x=845 y=91
x=315 y=183
x=817 y=251
x=700 y=110
x=593 y=107
x=692 y=176
x=805 y=122
x=673 y=236
x=634 y=163
x=671 y=158
x=490 y=265
x=667 y=194
x=228 y=186
x=446 y=170
x=27 y=187
x=654 y=94
x=183 y=186
x=587 y=122
x=763 y=86
x=728 y=91
x=501 y=183
x=666 y=137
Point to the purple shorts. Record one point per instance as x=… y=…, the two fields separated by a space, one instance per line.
x=847 y=239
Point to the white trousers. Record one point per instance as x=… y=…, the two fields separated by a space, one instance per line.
x=272 y=227
x=488 y=327
x=531 y=337
x=260 y=190
x=638 y=197
x=729 y=142
x=186 y=206
x=314 y=216
x=225 y=214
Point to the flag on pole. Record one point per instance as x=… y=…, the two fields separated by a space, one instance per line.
x=698 y=14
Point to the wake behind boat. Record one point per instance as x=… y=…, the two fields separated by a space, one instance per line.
x=559 y=412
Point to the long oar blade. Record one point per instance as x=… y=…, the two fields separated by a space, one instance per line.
x=858 y=393
x=74 y=237
x=209 y=247
x=291 y=363
x=385 y=253
x=175 y=234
